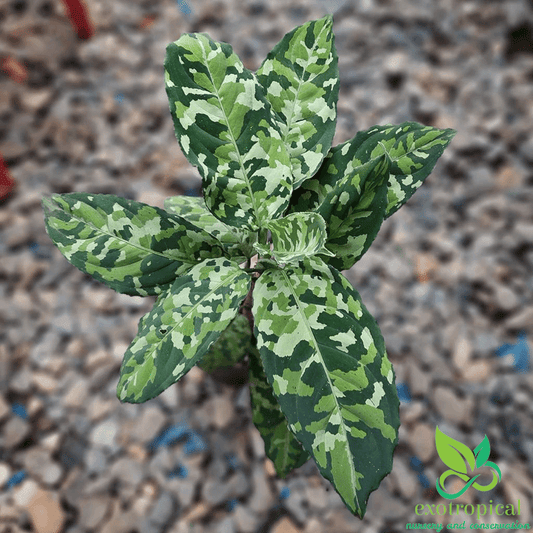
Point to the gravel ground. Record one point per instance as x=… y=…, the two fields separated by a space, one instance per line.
x=449 y=277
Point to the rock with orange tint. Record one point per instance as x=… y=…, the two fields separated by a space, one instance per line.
x=425 y=266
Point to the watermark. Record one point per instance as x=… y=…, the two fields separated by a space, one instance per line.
x=468 y=466
x=458 y=457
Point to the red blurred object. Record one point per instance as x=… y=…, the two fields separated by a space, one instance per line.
x=6 y=181
x=77 y=13
x=147 y=21
x=14 y=69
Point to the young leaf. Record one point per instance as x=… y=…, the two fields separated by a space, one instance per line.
x=231 y=347
x=134 y=248
x=453 y=453
x=281 y=446
x=181 y=327
x=301 y=78
x=236 y=242
x=325 y=358
x=295 y=236
x=227 y=128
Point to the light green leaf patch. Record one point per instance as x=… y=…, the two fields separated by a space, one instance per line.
x=325 y=359
x=237 y=243
x=132 y=247
x=226 y=127
x=281 y=446
x=181 y=327
x=301 y=78
x=294 y=237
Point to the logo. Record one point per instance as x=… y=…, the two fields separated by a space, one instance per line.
x=458 y=457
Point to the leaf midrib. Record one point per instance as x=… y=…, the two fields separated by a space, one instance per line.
x=315 y=341
x=126 y=241
x=225 y=281
x=244 y=171
x=300 y=82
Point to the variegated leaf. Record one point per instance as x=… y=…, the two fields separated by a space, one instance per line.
x=227 y=128
x=301 y=78
x=294 y=237
x=325 y=358
x=413 y=151
x=134 y=248
x=354 y=210
x=231 y=347
x=236 y=242
x=281 y=446
x=185 y=321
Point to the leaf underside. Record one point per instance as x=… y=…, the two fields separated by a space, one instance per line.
x=325 y=359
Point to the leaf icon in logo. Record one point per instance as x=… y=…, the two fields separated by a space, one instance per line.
x=482 y=452
x=455 y=454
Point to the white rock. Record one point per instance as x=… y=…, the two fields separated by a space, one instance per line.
x=104 y=434
x=5 y=473
x=451 y=407
x=245 y=519
x=148 y=425
x=92 y=511
x=422 y=441
x=462 y=352
x=261 y=499
x=14 y=432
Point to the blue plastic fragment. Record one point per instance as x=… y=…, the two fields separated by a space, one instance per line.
x=15 y=479
x=184 y=8
x=231 y=504
x=285 y=493
x=179 y=471
x=520 y=351
x=416 y=464
x=193 y=191
x=424 y=481
x=404 y=394
x=19 y=410
x=233 y=462
x=119 y=98
x=169 y=436
x=195 y=443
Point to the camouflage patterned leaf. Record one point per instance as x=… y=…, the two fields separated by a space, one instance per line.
x=354 y=209
x=236 y=242
x=413 y=150
x=134 y=248
x=226 y=127
x=325 y=358
x=355 y=215
x=301 y=78
x=294 y=237
x=230 y=348
x=181 y=327
x=281 y=446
